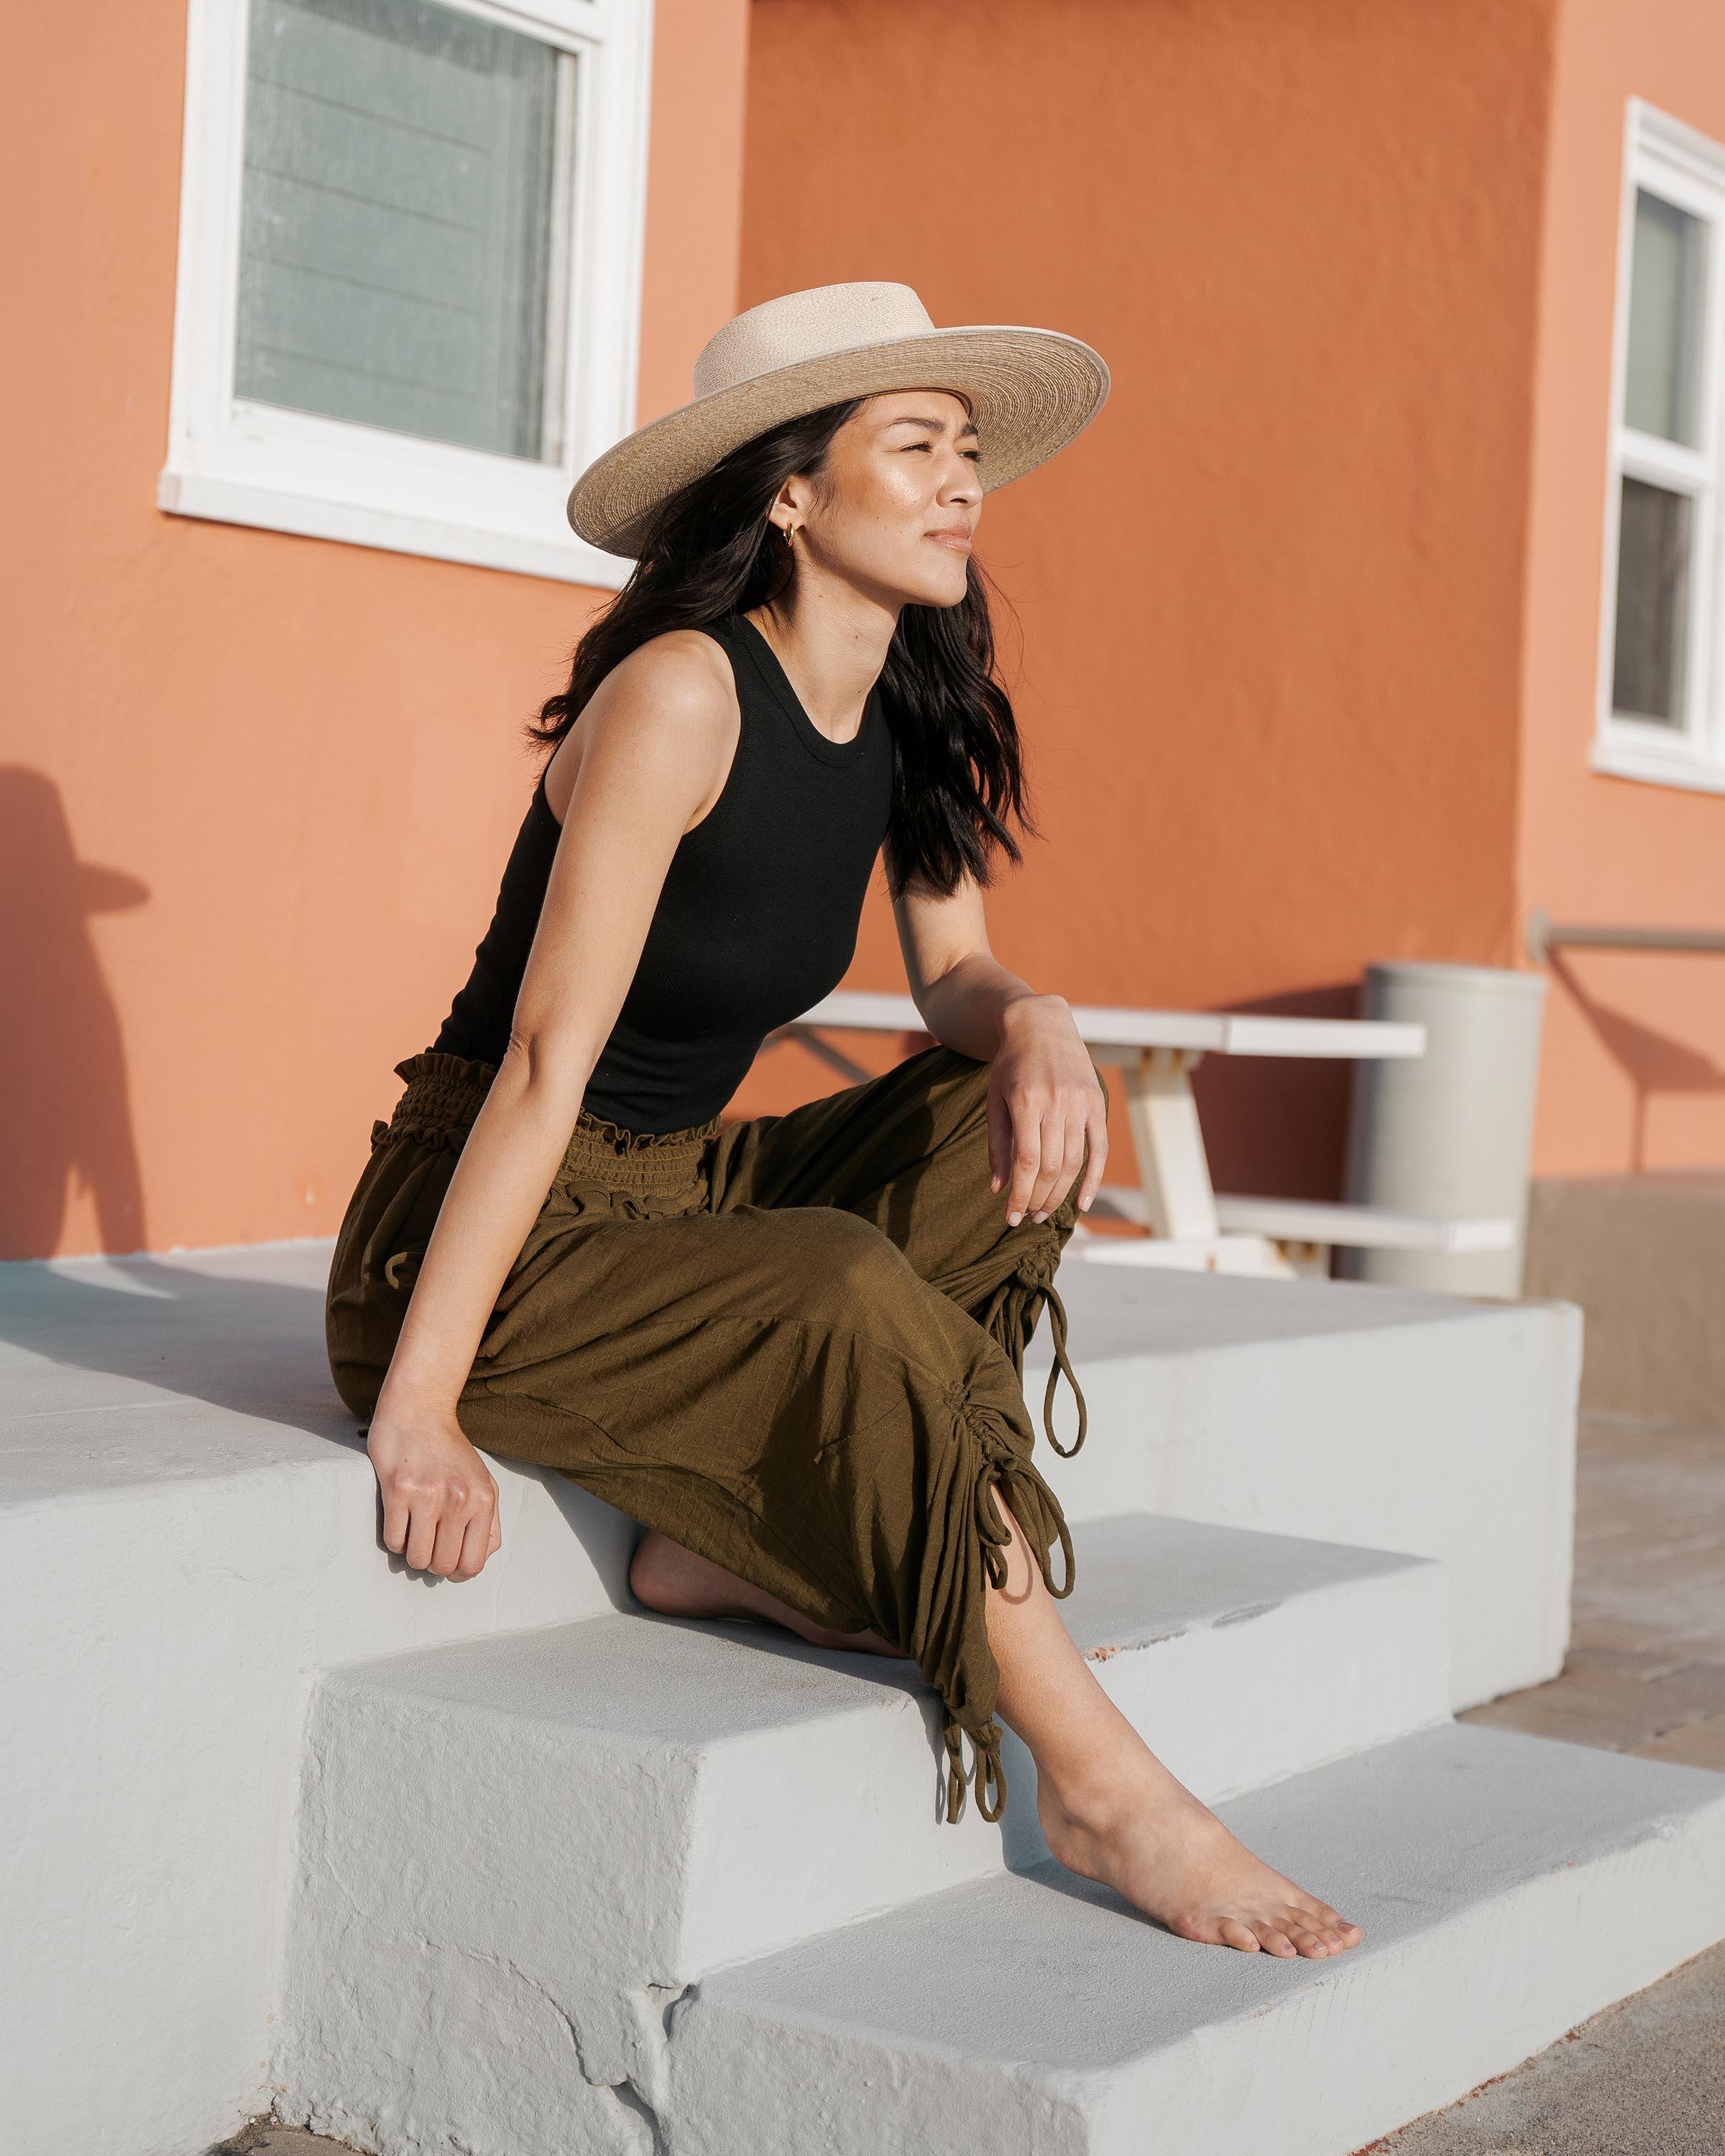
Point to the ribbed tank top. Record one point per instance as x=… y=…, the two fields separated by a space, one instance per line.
x=756 y=921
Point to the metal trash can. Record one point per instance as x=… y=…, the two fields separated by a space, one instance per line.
x=1449 y=1132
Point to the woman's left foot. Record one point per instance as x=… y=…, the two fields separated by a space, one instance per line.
x=1168 y=1855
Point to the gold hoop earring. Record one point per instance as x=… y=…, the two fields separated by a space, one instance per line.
x=788 y=530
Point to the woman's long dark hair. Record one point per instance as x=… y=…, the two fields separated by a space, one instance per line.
x=957 y=769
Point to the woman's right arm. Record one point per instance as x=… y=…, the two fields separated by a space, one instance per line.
x=657 y=738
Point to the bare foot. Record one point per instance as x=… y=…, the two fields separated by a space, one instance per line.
x=677 y=1582
x=1169 y=1855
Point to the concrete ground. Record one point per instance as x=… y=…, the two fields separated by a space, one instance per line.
x=1645 y=2078
x=1645 y=1673
x=263 y=2139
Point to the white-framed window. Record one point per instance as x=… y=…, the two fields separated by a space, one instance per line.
x=408 y=294
x=1661 y=691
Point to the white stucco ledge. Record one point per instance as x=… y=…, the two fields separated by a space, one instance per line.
x=1443 y=1425
x=188 y=1534
x=1508 y=1887
x=189 y=1539
x=592 y=1816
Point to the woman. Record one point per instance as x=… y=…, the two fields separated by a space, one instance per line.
x=791 y=1346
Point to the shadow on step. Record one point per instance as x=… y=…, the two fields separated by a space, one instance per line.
x=248 y=1339
x=240 y=1331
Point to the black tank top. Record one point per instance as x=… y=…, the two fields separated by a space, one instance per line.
x=757 y=919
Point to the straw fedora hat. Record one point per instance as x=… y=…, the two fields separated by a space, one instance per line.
x=1031 y=391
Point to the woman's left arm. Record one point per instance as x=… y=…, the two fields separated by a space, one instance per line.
x=1045 y=1103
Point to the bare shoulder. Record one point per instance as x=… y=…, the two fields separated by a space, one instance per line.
x=682 y=677
x=669 y=708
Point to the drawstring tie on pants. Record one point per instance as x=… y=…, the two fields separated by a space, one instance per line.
x=1010 y=1315
x=1002 y=1473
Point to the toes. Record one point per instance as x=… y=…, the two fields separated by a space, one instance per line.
x=1232 y=1932
x=1328 y=1923
x=1312 y=1944
x=1277 y=1943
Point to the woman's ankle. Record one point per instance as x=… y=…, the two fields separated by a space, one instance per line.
x=1099 y=1797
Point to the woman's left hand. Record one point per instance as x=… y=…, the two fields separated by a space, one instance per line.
x=1045 y=1103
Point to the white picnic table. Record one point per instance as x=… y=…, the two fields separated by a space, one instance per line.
x=1187 y=1224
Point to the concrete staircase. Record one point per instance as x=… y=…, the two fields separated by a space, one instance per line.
x=508 y=1867
x=1508 y=1887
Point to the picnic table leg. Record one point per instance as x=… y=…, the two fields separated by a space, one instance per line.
x=835 y=1058
x=1179 y=1202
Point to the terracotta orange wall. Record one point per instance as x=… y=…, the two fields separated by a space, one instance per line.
x=1271 y=601
x=1634 y=1054
x=255 y=791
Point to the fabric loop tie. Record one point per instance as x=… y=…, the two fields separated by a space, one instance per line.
x=1062 y=1362
x=990 y=1773
x=1030 y=1500
x=1011 y=1317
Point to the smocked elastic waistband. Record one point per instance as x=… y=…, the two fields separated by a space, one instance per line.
x=444 y=1093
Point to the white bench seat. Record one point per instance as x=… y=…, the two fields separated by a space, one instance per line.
x=1358 y=1227
x=1189 y=1227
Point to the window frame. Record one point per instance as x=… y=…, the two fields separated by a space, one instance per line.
x=235 y=461
x=1680 y=165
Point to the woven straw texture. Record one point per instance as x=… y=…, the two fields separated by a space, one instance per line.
x=1031 y=391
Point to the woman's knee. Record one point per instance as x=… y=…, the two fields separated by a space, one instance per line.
x=852 y=1264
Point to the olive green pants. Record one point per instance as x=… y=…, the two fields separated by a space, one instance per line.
x=793 y=1343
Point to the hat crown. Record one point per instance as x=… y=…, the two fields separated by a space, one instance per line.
x=802 y=326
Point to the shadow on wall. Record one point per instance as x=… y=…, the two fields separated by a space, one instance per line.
x=1277 y=1127
x=63 y=1109
x=1652 y=1062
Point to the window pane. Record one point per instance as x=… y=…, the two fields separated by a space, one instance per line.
x=395 y=269
x=1652 y=604
x=1665 y=320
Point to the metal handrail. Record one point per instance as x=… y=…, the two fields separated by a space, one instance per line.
x=1545 y=935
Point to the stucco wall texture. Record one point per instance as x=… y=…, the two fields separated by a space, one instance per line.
x=1301 y=631
x=255 y=790
x=1635 y=1062
x=1311 y=612
x=1271 y=597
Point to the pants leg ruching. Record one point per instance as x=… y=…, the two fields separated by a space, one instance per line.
x=793 y=1343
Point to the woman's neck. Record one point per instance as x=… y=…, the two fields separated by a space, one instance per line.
x=832 y=645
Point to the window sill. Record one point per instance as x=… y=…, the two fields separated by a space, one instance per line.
x=1655 y=764
x=566 y=559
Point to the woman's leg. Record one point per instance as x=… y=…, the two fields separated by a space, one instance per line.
x=1113 y=1812
x=775 y=1390
x=908 y=1151
x=1109 y=1808
x=781 y=1392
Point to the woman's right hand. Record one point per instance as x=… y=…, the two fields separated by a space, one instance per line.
x=439 y=1497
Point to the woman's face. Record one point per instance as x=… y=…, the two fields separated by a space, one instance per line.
x=895 y=508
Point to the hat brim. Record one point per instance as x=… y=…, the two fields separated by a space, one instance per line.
x=1031 y=392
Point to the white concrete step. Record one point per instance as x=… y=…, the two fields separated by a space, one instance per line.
x=188 y=1536
x=1507 y=1886
x=601 y=1812
x=1385 y=1416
